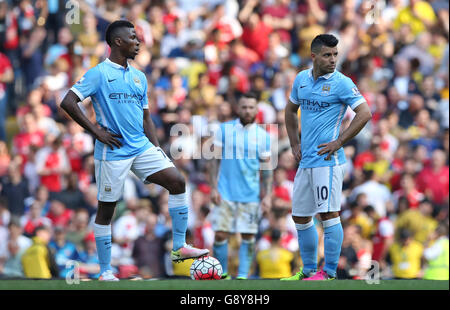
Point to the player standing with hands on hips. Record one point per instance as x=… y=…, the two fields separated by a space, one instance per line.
x=323 y=95
x=243 y=149
x=125 y=141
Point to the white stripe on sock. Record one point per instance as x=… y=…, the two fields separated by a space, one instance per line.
x=248 y=241
x=102 y=230
x=218 y=243
x=331 y=222
x=304 y=226
x=178 y=200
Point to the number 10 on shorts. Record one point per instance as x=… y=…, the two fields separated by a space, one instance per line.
x=322 y=195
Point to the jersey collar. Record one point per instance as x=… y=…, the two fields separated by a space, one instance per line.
x=116 y=65
x=325 y=76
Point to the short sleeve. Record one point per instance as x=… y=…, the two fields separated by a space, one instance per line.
x=349 y=94
x=294 y=96
x=5 y=63
x=88 y=84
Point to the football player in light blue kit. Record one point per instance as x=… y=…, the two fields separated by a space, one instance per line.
x=126 y=140
x=243 y=147
x=323 y=95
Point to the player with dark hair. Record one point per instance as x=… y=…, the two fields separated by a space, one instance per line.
x=323 y=95
x=126 y=140
x=242 y=146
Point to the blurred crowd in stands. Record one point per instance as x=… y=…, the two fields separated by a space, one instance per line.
x=198 y=56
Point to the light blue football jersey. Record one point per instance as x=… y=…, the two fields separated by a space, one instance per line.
x=323 y=104
x=242 y=150
x=119 y=96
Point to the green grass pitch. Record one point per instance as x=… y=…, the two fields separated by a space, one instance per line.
x=177 y=284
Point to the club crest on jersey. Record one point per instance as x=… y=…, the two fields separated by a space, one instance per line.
x=326 y=89
x=107 y=188
x=356 y=92
x=136 y=80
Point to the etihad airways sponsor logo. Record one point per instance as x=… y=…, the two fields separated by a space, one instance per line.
x=124 y=96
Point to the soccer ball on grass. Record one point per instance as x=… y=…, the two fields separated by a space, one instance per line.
x=206 y=268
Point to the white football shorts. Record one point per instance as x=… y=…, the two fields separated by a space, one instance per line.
x=317 y=190
x=110 y=175
x=236 y=217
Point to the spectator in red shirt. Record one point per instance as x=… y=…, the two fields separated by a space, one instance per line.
x=6 y=76
x=287 y=161
x=256 y=34
x=229 y=26
x=434 y=180
x=233 y=80
x=203 y=232
x=398 y=166
x=282 y=189
x=279 y=17
x=29 y=135
x=9 y=28
x=77 y=144
x=389 y=143
x=242 y=56
x=5 y=159
x=383 y=236
x=33 y=218
x=52 y=163
x=59 y=214
x=367 y=156
x=409 y=166
x=409 y=190
x=278 y=220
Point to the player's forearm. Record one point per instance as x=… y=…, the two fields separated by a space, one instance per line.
x=247 y=11
x=283 y=23
x=291 y=120
x=150 y=131
x=70 y=105
x=267 y=181
x=357 y=124
x=213 y=166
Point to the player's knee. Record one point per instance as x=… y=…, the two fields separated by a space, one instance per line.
x=301 y=219
x=328 y=215
x=220 y=236
x=105 y=212
x=102 y=220
x=178 y=186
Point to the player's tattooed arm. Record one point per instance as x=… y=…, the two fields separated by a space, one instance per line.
x=363 y=115
x=149 y=128
x=266 y=179
x=70 y=105
x=213 y=168
x=267 y=184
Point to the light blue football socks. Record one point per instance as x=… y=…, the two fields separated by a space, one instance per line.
x=220 y=250
x=245 y=257
x=308 y=242
x=102 y=234
x=333 y=237
x=178 y=211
